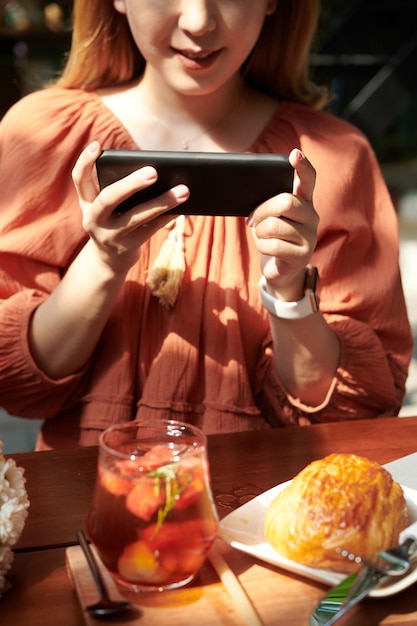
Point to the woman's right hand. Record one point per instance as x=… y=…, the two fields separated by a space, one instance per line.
x=119 y=236
x=66 y=327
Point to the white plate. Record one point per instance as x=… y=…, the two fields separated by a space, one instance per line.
x=243 y=529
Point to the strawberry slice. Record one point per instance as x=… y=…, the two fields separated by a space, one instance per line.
x=114 y=483
x=145 y=498
x=181 y=547
x=169 y=542
x=190 y=477
x=156 y=457
x=164 y=537
x=200 y=534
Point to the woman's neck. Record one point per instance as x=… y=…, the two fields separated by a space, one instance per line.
x=161 y=119
x=186 y=111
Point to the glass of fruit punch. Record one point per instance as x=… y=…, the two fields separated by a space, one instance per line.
x=152 y=518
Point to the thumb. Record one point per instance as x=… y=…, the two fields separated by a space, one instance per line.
x=304 y=175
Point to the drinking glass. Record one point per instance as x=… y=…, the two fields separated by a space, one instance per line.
x=152 y=517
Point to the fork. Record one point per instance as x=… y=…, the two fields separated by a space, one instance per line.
x=356 y=587
x=391 y=562
x=374 y=572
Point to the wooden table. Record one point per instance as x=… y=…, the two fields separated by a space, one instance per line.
x=60 y=484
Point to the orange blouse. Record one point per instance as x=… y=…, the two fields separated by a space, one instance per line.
x=209 y=360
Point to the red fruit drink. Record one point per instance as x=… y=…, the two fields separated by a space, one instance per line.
x=152 y=517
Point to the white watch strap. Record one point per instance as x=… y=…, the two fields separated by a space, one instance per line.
x=288 y=310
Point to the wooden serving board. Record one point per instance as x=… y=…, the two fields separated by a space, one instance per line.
x=205 y=603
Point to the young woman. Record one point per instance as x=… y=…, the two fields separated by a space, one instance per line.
x=100 y=321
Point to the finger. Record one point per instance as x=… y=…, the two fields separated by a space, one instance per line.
x=84 y=173
x=304 y=175
x=280 y=238
x=111 y=196
x=285 y=207
x=278 y=227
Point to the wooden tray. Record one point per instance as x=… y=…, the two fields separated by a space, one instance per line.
x=206 y=599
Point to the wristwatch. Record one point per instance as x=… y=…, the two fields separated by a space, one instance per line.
x=293 y=310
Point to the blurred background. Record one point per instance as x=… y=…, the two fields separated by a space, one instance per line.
x=365 y=51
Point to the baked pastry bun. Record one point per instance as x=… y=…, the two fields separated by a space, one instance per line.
x=341 y=502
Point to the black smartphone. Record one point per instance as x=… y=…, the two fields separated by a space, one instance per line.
x=220 y=183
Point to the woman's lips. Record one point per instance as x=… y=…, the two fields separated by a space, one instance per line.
x=197 y=60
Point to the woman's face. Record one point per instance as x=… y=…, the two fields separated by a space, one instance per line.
x=195 y=46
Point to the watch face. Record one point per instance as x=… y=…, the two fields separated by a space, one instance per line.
x=310 y=286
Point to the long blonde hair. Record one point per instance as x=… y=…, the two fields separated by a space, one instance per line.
x=103 y=52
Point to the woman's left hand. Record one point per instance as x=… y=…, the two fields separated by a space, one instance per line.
x=285 y=231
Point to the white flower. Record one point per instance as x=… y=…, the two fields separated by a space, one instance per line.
x=14 y=504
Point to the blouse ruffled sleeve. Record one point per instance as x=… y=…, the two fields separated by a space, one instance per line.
x=360 y=287
x=40 y=230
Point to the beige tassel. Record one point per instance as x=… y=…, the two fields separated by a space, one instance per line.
x=165 y=277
